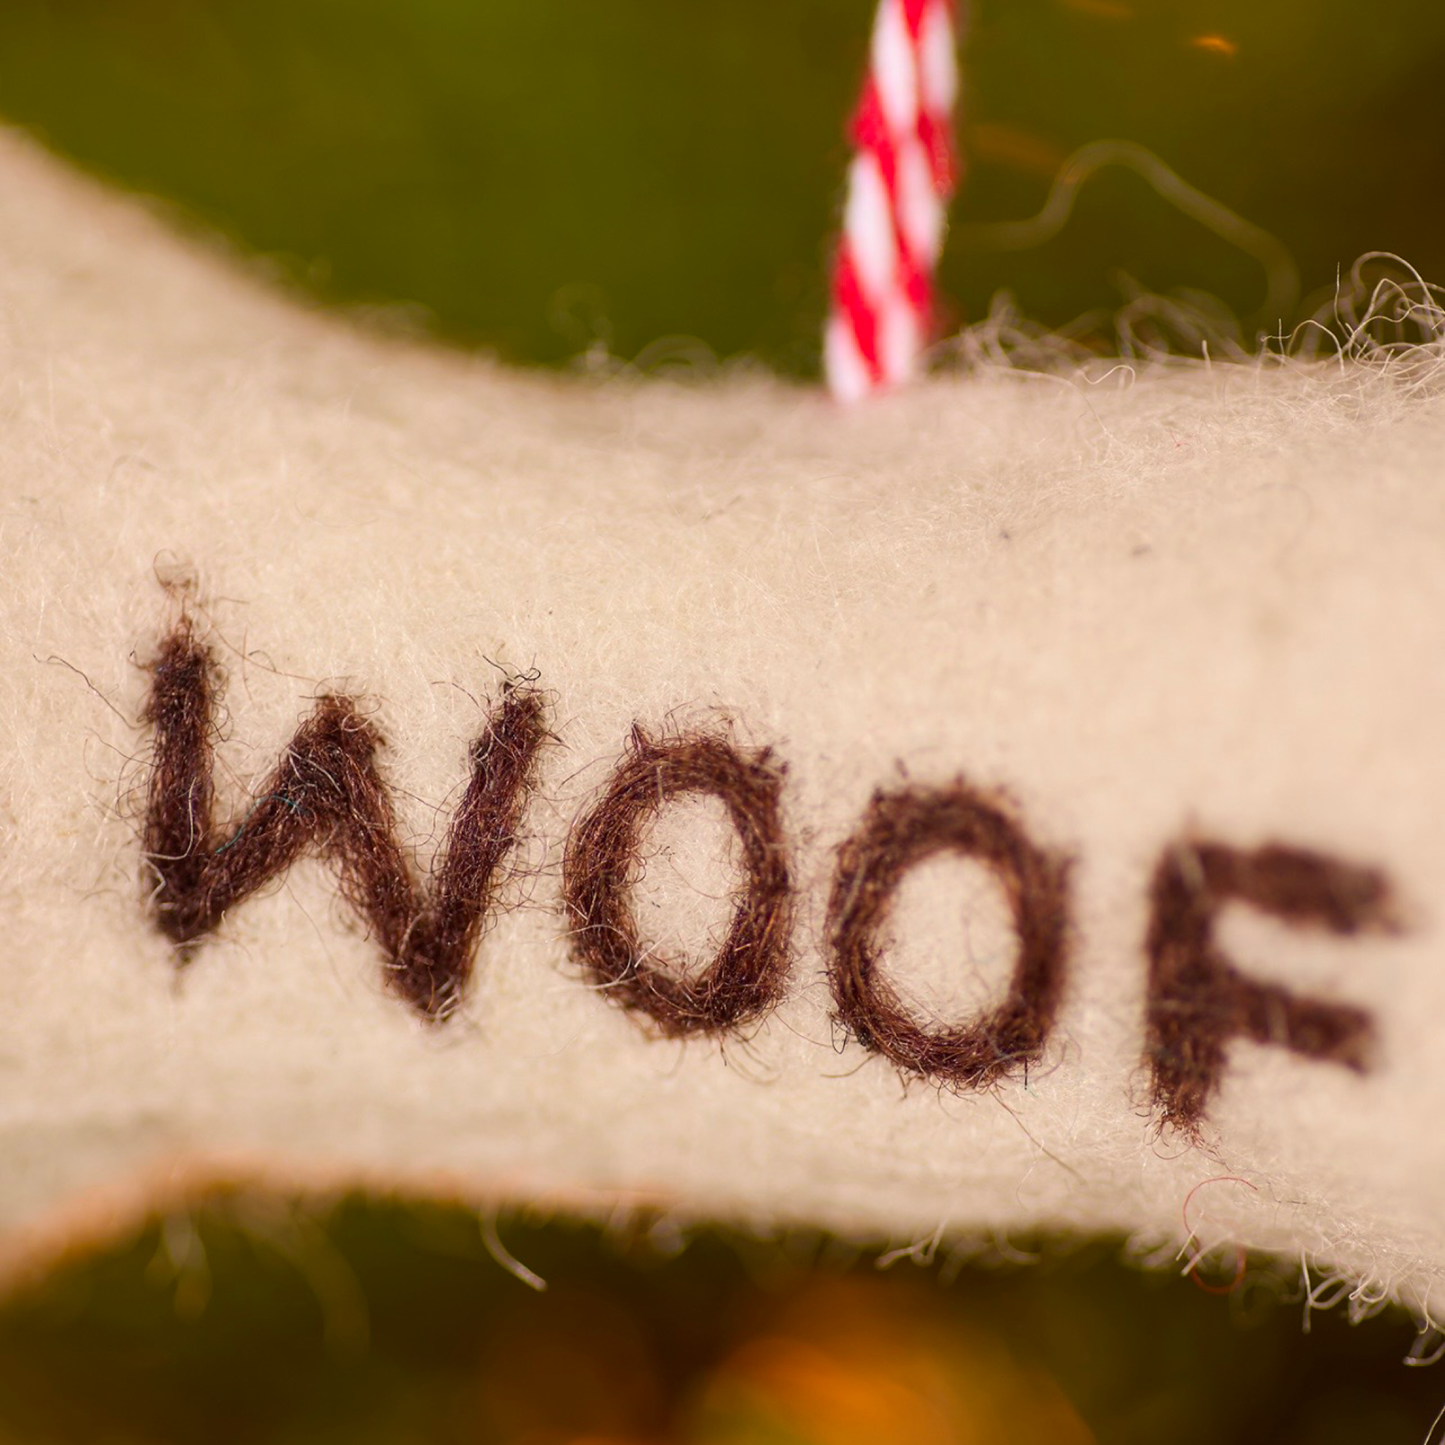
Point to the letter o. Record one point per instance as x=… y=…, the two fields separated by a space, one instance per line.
x=904 y=828
x=746 y=977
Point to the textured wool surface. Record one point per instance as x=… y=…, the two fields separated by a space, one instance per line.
x=1206 y=605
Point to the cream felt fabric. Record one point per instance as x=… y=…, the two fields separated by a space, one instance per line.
x=1210 y=602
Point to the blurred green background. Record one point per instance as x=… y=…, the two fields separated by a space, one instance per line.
x=254 y=1320
x=552 y=180
x=541 y=177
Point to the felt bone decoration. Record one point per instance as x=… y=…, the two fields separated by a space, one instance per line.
x=1008 y=805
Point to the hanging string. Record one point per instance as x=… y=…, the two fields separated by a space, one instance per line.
x=899 y=183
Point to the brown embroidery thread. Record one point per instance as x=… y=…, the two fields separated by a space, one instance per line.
x=1198 y=1001
x=745 y=979
x=901 y=829
x=327 y=797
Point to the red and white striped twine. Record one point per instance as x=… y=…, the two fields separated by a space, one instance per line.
x=899 y=183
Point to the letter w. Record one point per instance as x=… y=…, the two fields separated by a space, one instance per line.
x=327 y=798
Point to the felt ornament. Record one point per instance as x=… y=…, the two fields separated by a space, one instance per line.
x=1012 y=805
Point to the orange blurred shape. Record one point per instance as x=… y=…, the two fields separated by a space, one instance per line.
x=1218 y=44
x=870 y=1377
x=825 y=1400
